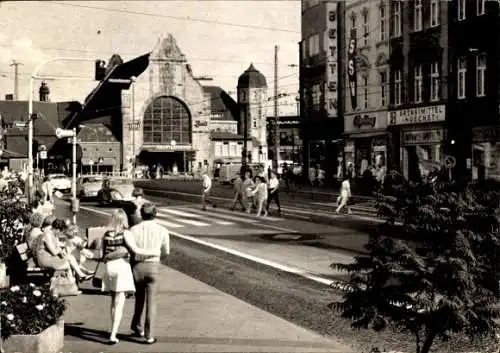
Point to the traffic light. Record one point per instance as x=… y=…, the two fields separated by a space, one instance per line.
x=100 y=70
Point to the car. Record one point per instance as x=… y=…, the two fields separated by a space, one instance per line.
x=59 y=182
x=88 y=186
x=115 y=190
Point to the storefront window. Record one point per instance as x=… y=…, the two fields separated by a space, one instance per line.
x=486 y=161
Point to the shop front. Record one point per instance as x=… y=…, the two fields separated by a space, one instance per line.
x=485 y=153
x=365 y=146
x=422 y=137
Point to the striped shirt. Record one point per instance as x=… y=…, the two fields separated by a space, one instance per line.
x=149 y=235
x=112 y=241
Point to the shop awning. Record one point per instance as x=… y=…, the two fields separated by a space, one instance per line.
x=105 y=97
x=365 y=134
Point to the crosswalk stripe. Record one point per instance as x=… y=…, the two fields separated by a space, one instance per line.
x=192 y=222
x=169 y=224
x=268 y=218
x=224 y=223
x=226 y=216
x=178 y=213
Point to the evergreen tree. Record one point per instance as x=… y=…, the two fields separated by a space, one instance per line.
x=446 y=280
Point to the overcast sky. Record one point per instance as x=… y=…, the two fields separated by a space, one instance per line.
x=35 y=31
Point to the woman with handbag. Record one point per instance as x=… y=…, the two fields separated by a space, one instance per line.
x=118 y=278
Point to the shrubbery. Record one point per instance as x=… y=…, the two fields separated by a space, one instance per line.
x=446 y=280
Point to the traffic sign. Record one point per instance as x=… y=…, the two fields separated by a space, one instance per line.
x=450 y=162
x=61 y=133
x=100 y=160
x=20 y=123
x=43 y=154
x=70 y=140
x=91 y=162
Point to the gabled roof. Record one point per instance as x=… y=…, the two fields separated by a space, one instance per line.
x=222 y=105
x=13 y=111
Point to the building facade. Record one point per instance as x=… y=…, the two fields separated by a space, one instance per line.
x=366 y=86
x=322 y=73
x=444 y=87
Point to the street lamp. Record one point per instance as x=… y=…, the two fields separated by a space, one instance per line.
x=34 y=76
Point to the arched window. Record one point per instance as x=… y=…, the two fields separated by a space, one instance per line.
x=167 y=119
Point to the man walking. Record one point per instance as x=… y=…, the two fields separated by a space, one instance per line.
x=151 y=236
x=273 y=192
x=205 y=194
x=238 y=193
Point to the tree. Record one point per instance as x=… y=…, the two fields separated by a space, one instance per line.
x=446 y=280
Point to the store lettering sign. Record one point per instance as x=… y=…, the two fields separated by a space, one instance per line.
x=199 y=123
x=159 y=147
x=484 y=133
x=362 y=120
x=423 y=137
x=420 y=115
x=351 y=67
x=331 y=84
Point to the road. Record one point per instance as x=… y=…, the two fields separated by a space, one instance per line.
x=276 y=264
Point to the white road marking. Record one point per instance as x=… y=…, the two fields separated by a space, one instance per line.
x=178 y=213
x=224 y=223
x=192 y=222
x=169 y=224
x=269 y=263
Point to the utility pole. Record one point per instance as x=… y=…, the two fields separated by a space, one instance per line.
x=276 y=113
x=16 y=78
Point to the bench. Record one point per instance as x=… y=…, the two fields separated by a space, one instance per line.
x=31 y=271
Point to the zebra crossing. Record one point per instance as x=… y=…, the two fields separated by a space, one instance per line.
x=189 y=216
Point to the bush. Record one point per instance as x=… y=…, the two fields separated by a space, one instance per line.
x=28 y=309
x=446 y=281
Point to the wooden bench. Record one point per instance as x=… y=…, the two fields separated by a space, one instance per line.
x=32 y=272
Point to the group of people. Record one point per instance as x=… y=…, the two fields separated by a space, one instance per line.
x=257 y=193
x=128 y=255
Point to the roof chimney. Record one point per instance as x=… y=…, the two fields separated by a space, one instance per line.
x=44 y=92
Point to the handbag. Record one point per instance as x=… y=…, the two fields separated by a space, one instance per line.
x=98 y=275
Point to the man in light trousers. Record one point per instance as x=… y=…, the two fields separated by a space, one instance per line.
x=148 y=235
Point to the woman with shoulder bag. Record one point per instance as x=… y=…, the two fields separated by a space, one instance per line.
x=118 y=278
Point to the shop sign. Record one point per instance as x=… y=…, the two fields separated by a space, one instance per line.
x=349 y=146
x=484 y=134
x=420 y=115
x=331 y=89
x=351 y=67
x=423 y=137
x=170 y=147
x=362 y=120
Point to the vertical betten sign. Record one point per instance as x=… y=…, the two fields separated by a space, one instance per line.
x=331 y=89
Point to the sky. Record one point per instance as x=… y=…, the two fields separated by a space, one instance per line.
x=219 y=38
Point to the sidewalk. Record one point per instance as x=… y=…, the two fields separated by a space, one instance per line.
x=192 y=317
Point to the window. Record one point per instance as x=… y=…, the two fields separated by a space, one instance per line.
x=304 y=49
x=396 y=29
x=353 y=20
x=218 y=148
x=435 y=81
x=397 y=87
x=461 y=76
x=481 y=75
x=233 y=151
x=366 y=32
x=225 y=149
x=481 y=7
x=383 y=84
x=461 y=9
x=383 y=23
x=417 y=83
x=167 y=119
x=365 y=92
x=314 y=45
x=316 y=96
x=434 y=13
x=417 y=15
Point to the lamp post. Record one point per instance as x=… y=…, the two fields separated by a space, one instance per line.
x=34 y=76
x=133 y=79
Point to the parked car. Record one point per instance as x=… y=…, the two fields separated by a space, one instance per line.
x=60 y=182
x=88 y=186
x=115 y=190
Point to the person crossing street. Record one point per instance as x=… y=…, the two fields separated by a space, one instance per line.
x=238 y=193
x=273 y=192
x=205 y=194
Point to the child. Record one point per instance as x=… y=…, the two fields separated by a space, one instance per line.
x=75 y=247
x=260 y=193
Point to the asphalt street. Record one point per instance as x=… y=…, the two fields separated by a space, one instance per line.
x=274 y=264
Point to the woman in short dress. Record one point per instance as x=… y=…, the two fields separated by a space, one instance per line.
x=118 y=278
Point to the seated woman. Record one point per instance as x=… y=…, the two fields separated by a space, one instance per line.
x=75 y=246
x=36 y=221
x=50 y=255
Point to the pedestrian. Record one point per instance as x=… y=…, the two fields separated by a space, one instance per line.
x=133 y=209
x=273 y=193
x=345 y=195
x=48 y=190
x=148 y=235
x=260 y=193
x=205 y=194
x=238 y=193
x=118 y=278
x=247 y=188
